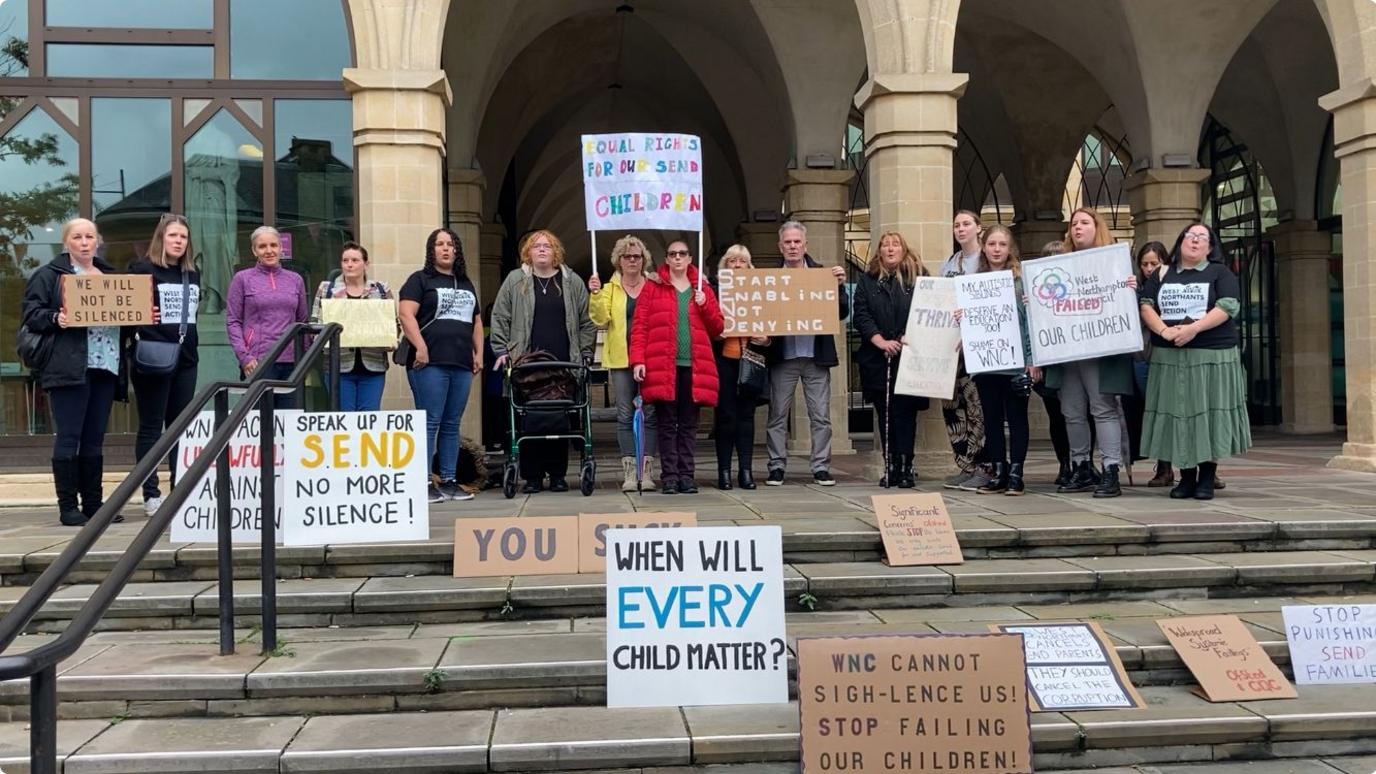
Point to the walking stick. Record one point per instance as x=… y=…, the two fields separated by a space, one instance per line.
x=638 y=430
x=888 y=420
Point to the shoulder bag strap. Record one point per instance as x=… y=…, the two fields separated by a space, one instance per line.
x=186 y=305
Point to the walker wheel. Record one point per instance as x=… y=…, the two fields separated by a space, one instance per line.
x=509 y=481
x=588 y=479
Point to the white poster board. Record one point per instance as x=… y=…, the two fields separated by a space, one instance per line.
x=1080 y=306
x=196 y=521
x=990 y=332
x=695 y=616
x=1331 y=643
x=928 y=362
x=642 y=181
x=356 y=477
x=1072 y=666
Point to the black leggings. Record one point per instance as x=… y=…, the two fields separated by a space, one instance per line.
x=80 y=414
x=1060 y=439
x=734 y=426
x=1000 y=405
x=900 y=422
x=161 y=398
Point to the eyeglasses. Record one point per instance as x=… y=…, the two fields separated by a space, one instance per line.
x=678 y=253
x=632 y=257
x=1197 y=236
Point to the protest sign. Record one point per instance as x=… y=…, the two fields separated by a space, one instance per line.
x=592 y=532
x=1225 y=658
x=778 y=302
x=917 y=703
x=990 y=332
x=107 y=299
x=507 y=545
x=196 y=521
x=1080 y=306
x=916 y=529
x=356 y=477
x=695 y=616
x=1331 y=643
x=368 y=322
x=1072 y=666
x=927 y=365
x=642 y=181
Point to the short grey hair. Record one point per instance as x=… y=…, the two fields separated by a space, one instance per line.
x=260 y=231
x=792 y=225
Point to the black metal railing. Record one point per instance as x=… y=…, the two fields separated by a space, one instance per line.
x=40 y=664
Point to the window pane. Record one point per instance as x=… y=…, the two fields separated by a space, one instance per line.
x=315 y=181
x=131 y=172
x=14 y=38
x=224 y=201
x=99 y=60
x=157 y=14
x=300 y=40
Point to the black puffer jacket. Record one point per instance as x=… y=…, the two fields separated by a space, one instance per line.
x=42 y=302
x=824 y=345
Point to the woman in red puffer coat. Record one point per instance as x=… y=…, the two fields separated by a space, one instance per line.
x=671 y=355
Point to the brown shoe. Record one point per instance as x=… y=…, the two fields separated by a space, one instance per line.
x=1165 y=476
x=1218 y=483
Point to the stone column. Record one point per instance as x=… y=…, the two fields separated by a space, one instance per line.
x=1306 y=334
x=910 y=140
x=466 y=188
x=1164 y=202
x=490 y=264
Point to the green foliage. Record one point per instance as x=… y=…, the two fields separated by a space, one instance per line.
x=434 y=680
x=807 y=600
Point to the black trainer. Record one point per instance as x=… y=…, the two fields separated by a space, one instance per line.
x=823 y=478
x=776 y=478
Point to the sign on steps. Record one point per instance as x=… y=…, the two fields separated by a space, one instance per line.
x=1072 y=666
x=1331 y=643
x=546 y=545
x=1225 y=658
x=695 y=616
x=197 y=519
x=916 y=530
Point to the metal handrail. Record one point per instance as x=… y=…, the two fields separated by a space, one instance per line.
x=40 y=663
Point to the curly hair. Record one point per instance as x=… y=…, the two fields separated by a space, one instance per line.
x=556 y=246
x=460 y=265
x=623 y=245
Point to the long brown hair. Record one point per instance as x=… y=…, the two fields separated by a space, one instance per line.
x=1103 y=235
x=1014 y=255
x=909 y=268
x=157 y=254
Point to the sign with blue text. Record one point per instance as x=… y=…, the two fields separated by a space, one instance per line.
x=642 y=181
x=1079 y=305
x=695 y=616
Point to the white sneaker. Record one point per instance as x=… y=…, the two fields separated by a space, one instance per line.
x=151 y=505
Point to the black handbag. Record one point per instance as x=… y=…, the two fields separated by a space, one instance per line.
x=160 y=358
x=754 y=374
x=34 y=349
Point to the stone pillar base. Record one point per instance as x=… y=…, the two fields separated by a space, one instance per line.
x=1357 y=457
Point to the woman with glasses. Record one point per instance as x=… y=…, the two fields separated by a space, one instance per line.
x=1197 y=395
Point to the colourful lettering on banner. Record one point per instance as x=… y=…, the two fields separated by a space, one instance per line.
x=197 y=520
x=1080 y=306
x=642 y=181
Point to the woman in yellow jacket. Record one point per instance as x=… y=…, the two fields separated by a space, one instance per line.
x=613 y=307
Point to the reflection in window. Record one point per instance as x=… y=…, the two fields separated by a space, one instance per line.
x=315 y=181
x=156 y=14
x=101 y=60
x=306 y=40
x=131 y=172
x=224 y=201
x=14 y=38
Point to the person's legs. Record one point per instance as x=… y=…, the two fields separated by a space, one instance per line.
x=428 y=392
x=69 y=410
x=745 y=437
x=348 y=392
x=1019 y=431
x=623 y=396
x=458 y=381
x=150 y=395
x=91 y=456
x=370 y=390
x=183 y=390
x=817 y=395
x=725 y=423
x=1075 y=409
x=783 y=378
x=667 y=415
x=1060 y=442
x=686 y=432
x=991 y=389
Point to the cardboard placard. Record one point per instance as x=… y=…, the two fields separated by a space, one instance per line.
x=1080 y=306
x=1331 y=644
x=592 y=532
x=368 y=322
x=990 y=331
x=916 y=529
x=197 y=519
x=927 y=364
x=914 y=703
x=356 y=477
x=695 y=616
x=1225 y=658
x=107 y=299
x=642 y=181
x=508 y=545
x=779 y=302
x=1072 y=666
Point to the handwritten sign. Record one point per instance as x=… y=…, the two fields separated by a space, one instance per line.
x=507 y=545
x=642 y=181
x=368 y=322
x=695 y=616
x=916 y=530
x=778 y=302
x=927 y=365
x=990 y=331
x=1225 y=658
x=914 y=703
x=107 y=299
x=196 y=521
x=1072 y=666
x=1080 y=306
x=1331 y=643
x=592 y=532
x=356 y=477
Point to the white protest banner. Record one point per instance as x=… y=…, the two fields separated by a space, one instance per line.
x=196 y=521
x=1080 y=306
x=1072 y=666
x=642 y=181
x=695 y=615
x=356 y=477
x=990 y=332
x=1331 y=643
x=927 y=365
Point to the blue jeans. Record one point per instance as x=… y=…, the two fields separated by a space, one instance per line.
x=361 y=392
x=441 y=392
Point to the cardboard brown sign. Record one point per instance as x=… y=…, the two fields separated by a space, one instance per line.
x=592 y=532
x=107 y=299
x=778 y=302
x=1225 y=658
x=914 y=703
x=916 y=529
x=535 y=545
x=1072 y=666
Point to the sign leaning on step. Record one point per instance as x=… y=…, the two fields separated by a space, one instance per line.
x=990 y=333
x=1072 y=666
x=1079 y=305
x=695 y=616
x=1225 y=658
x=1331 y=643
x=196 y=521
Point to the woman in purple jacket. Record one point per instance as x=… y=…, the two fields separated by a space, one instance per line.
x=263 y=303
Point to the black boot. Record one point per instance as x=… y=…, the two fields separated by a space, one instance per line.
x=746 y=479
x=1188 y=483
x=906 y=479
x=724 y=479
x=1015 y=482
x=1204 y=484
x=998 y=483
x=1081 y=479
x=1063 y=475
x=65 y=481
x=91 y=472
x=1108 y=483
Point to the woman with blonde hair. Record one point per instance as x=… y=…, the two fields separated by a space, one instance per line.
x=734 y=426
x=883 y=296
x=612 y=307
x=962 y=414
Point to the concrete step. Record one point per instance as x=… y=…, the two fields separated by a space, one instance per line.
x=1176 y=728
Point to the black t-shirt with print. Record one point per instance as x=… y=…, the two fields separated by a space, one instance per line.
x=1183 y=296
x=452 y=304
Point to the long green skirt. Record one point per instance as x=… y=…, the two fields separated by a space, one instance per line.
x=1196 y=406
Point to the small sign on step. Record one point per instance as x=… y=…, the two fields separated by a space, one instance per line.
x=592 y=532
x=917 y=530
x=1072 y=666
x=1225 y=658
x=507 y=545
x=1331 y=643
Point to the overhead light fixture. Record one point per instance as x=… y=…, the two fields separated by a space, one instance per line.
x=821 y=161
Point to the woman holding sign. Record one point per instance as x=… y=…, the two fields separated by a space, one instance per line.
x=734 y=424
x=83 y=375
x=265 y=300
x=362 y=370
x=964 y=420
x=1197 y=394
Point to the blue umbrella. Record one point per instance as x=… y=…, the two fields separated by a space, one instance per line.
x=638 y=428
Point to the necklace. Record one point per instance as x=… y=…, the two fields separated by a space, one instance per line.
x=544 y=284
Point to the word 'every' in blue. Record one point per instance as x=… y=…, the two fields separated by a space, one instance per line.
x=688 y=603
